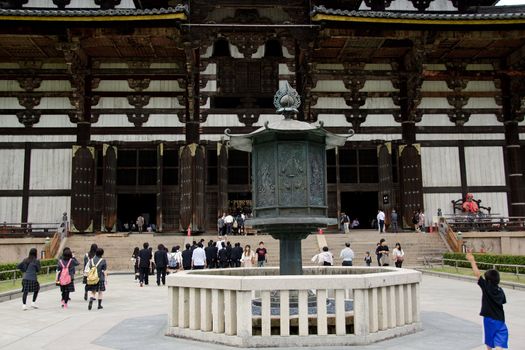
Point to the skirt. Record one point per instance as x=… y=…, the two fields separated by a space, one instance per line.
x=99 y=287
x=30 y=286
x=68 y=288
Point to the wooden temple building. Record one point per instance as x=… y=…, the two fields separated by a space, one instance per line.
x=114 y=108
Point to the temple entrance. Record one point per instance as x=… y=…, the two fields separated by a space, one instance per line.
x=360 y=205
x=240 y=202
x=130 y=206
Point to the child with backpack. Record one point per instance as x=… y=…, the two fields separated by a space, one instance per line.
x=96 y=278
x=65 y=275
x=492 y=300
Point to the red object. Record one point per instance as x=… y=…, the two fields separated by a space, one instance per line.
x=189 y=230
x=320 y=231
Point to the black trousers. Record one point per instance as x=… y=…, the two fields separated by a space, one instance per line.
x=399 y=264
x=347 y=263
x=161 y=275
x=144 y=275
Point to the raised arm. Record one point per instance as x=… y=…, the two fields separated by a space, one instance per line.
x=475 y=269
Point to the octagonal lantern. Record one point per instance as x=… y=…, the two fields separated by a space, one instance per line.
x=289 y=185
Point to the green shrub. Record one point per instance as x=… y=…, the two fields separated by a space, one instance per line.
x=486 y=261
x=13 y=266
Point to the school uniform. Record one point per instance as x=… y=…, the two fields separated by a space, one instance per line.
x=101 y=268
x=29 y=279
x=71 y=269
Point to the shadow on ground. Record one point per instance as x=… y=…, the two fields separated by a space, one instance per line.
x=440 y=331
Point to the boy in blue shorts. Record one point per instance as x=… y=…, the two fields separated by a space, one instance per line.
x=492 y=300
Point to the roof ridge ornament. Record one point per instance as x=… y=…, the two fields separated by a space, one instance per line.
x=287 y=101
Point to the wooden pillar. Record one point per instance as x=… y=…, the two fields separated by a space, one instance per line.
x=222 y=179
x=160 y=168
x=82 y=189
x=109 y=184
x=27 y=177
x=192 y=175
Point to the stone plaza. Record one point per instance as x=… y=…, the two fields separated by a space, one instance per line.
x=137 y=318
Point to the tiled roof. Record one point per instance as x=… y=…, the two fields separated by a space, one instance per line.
x=497 y=15
x=33 y=12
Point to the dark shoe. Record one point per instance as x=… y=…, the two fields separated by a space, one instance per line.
x=100 y=307
x=141 y=284
x=90 y=304
x=85 y=296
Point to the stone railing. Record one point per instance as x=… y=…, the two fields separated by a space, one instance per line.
x=242 y=307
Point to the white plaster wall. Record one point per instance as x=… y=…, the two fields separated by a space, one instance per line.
x=208 y=52
x=431 y=85
x=441 y=137
x=213 y=137
x=54 y=121
x=76 y=4
x=212 y=69
x=434 y=66
x=333 y=120
x=497 y=201
x=435 y=201
x=50 y=169
x=9 y=65
x=440 y=166
x=380 y=120
x=336 y=66
x=284 y=70
x=138 y=138
x=9 y=85
x=161 y=120
x=225 y=120
x=10 y=121
x=10 y=209
x=330 y=86
x=48 y=209
x=54 y=65
x=368 y=137
x=54 y=103
x=112 y=120
x=162 y=65
x=378 y=85
x=55 y=85
x=378 y=66
x=211 y=85
x=286 y=53
x=154 y=85
x=379 y=102
x=12 y=169
x=38 y=138
x=480 y=67
x=481 y=86
x=164 y=102
x=113 y=102
x=331 y=102
x=434 y=102
x=235 y=53
x=10 y=103
x=483 y=120
x=484 y=166
x=522 y=136
x=263 y=118
x=482 y=102
x=435 y=120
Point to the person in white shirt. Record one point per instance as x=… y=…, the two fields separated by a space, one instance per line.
x=228 y=221
x=325 y=258
x=398 y=255
x=347 y=254
x=381 y=221
x=198 y=258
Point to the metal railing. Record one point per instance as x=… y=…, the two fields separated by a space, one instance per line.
x=441 y=262
x=486 y=222
x=28 y=228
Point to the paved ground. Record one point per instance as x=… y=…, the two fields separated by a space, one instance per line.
x=135 y=318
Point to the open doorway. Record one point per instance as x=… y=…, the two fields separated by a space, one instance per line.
x=130 y=206
x=361 y=205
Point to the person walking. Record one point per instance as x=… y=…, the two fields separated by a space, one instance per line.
x=140 y=223
x=30 y=266
x=393 y=220
x=66 y=275
x=262 y=255
x=248 y=258
x=186 y=257
x=221 y=227
x=144 y=264
x=368 y=259
x=345 y=221
x=161 y=264
x=347 y=254
x=88 y=256
x=383 y=252
x=211 y=255
x=492 y=300
x=228 y=221
x=198 y=258
x=97 y=290
x=421 y=221
x=223 y=255
x=236 y=255
x=325 y=257
x=381 y=221
x=175 y=259
x=135 y=260
x=398 y=255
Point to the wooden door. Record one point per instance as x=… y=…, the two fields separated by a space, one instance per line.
x=222 y=181
x=82 y=189
x=109 y=173
x=411 y=184
x=185 y=180
x=199 y=176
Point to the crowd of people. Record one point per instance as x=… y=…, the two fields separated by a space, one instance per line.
x=94 y=276
x=381 y=223
x=195 y=256
x=228 y=224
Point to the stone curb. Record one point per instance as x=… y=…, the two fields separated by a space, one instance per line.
x=511 y=285
x=16 y=293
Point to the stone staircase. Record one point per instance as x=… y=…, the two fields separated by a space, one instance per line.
x=119 y=247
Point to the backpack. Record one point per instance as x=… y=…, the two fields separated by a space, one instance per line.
x=92 y=276
x=235 y=224
x=65 y=277
x=220 y=222
x=172 y=261
x=415 y=219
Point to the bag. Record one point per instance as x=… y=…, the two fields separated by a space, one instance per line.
x=65 y=277
x=172 y=261
x=92 y=276
x=235 y=224
x=415 y=219
x=400 y=259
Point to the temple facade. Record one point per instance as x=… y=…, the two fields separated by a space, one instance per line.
x=110 y=109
